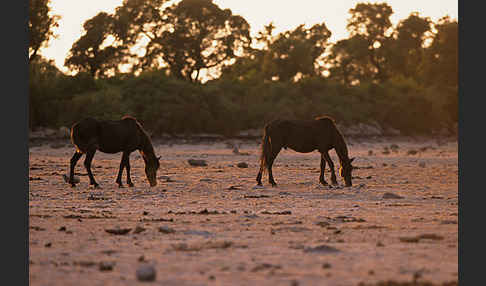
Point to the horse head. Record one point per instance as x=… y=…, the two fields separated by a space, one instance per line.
x=345 y=171
x=152 y=164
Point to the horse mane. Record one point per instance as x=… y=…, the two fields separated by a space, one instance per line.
x=325 y=117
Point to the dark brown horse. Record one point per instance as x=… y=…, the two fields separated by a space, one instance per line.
x=126 y=135
x=305 y=136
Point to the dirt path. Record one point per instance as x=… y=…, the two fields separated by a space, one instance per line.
x=211 y=226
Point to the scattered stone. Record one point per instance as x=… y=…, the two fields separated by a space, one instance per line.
x=75 y=178
x=277 y=213
x=234 y=187
x=195 y=162
x=370 y=152
x=62 y=228
x=255 y=196
x=326 y=265
x=422 y=164
x=166 y=229
x=49 y=244
x=146 y=273
x=106 y=266
x=38 y=228
x=198 y=232
x=321 y=249
x=242 y=165
x=138 y=229
x=323 y=223
x=412 y=152
x=391 y=196
x=265 y=266
x=118 y=231
x=379 y=244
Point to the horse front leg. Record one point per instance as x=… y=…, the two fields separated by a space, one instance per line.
x=74 y=161
x=120 y=171
x=126 y=156
x=87 y=165
x=331 y=166
x=322 y=180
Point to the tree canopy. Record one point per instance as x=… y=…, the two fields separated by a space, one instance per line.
x=41 y=26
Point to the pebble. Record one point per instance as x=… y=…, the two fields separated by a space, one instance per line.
x=146 y=273
x=242 y=165
x=194 y=162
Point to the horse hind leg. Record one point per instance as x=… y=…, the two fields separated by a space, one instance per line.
x=74 y=160
x=87 y=165
x=120 y=171
x=275 y=152
x=322 y=179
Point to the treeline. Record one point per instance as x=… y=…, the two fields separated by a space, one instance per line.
x=402 y=77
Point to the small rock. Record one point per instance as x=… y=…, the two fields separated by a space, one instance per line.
x=242 y=165
x=166 y=229
x=138 y=229
x=370 y=152
x=49 y=244
x=321 y=249
x=326 y=265
x=75 y=178
x=422 y=164
x=391 y=196
x=412 y=152
x=62 y=228
x=106 y=266
x=118 y=231
x=146 y=273
x=194 y=162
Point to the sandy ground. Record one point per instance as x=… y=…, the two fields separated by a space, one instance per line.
x=212 y=226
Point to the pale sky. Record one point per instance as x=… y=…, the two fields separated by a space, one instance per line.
x=285 y=14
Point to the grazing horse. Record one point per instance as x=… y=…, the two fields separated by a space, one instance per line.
x=305 y=136
x=125 y=135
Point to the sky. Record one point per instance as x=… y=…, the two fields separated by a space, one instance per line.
x=285 y=14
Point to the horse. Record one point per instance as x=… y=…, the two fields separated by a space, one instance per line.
x=305 y=136
x=112 y=136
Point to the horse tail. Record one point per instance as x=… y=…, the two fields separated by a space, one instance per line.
x=266 y=154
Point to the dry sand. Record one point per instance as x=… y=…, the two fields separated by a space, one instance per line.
x=211 y=226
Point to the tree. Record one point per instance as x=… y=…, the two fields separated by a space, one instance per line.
x=287 y=56
x=372 y=23
x=442 y=55
x=41 y=26
x=186 y=37
x=406 y=53
x=90 y=52
x=294 y=53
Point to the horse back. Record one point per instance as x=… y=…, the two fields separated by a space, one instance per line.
x=302 y=135
x=109 y=136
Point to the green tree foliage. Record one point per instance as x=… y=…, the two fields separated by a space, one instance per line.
x=288 y=56
x=406 y=52
x=443 y=54
x=90 y=53
x=41 y=26
x=363 y=55
x=187 y=37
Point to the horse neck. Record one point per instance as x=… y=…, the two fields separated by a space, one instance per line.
x=146 y=147
x=340 y=147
